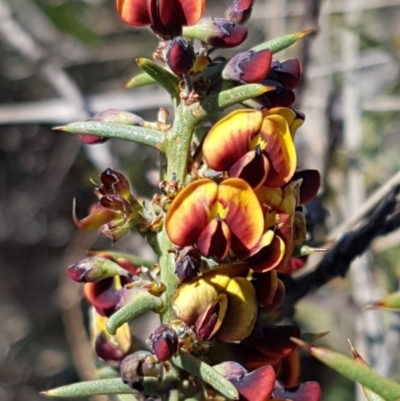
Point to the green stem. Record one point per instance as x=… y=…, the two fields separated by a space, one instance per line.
x=177 y=150
x=139 y=305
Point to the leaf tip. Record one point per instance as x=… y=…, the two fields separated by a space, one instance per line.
x=60 y=128
x=307 y=32
x=301 y=343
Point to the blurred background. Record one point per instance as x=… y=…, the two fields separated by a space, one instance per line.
x=64 y=60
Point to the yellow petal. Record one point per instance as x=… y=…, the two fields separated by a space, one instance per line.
x=242 y=307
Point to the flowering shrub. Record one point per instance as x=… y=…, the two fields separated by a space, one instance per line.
x=227 y=222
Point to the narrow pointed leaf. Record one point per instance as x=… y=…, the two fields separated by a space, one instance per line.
x=142 y=79
x=370 y=395
x=86 y=389
x=135 y=260
x=141 y=304
x=281 y=43
x=205 y=372
x=166 y=79
x=141 y=135
x=227 y=98
x=390 y=302
x=152 y=386
x=384 y=387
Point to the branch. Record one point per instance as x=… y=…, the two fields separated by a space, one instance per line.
x=337 y=261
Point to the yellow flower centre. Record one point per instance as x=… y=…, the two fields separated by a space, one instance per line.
x=218 y=211
x=257 y=141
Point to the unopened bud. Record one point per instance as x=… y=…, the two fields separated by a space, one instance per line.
x=108 y=349
x=188 y=264
x=180 y=56
x=93 y=269
x=217 y=32
x=287 y=73
x=239 y=11
x=248 y=67
x=164 y=342
x=133 y=368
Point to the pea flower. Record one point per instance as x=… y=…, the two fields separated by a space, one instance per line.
x=215 y=217
x=165 y=17
x=255 y=386
x=117 y=212
x=216 y=301
x=282 y=214
x=107 y=346
x=255 y=146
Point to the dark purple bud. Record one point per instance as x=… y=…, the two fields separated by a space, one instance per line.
x=287 y=73
x=239 y=11
x=103 y=296
x=108 y=349
x=132 y=371
x=280 y=97
x=248 y=67
x=188 y=264
x=114 y=183
x=180 y=56
x=217 y=32
x=164 y=342
x=93 y=269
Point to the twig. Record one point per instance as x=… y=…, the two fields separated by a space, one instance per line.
x=337 y=261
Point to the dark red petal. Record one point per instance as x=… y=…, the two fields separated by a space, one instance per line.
x=309 y=391
x=309 y=186
x=257 y=385
x=215 y=240
x=253 y=167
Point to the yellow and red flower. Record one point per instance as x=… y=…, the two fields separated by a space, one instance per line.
x=165 y=17
x=281 y=216
x=216 y=301
x=216 y=217
x=255 y=146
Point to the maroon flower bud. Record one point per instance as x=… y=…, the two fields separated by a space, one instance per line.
x=188 y=264
x=248 y=67
x=103 y=296
x=280 y=97
x=217 y=32
x=93 y=269
x=111 y=116
x=180 y=56
x=239 y=11
x=134 y=367
x=108 y=350
x=165 y=17
x=164 y=342
x=287 y=73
